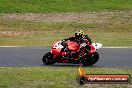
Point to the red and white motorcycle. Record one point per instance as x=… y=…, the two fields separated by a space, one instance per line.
x=77 y=53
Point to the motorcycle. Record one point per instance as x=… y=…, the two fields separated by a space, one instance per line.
x=77 y=53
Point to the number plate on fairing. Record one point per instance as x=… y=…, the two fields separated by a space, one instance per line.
x=97 y=45
x=58 y=45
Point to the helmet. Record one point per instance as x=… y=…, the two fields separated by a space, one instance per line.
x=79 y=34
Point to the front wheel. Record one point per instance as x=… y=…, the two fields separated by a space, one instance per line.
x=95 y=57
x=90 y=60
x=48 y=59
x=87 y=62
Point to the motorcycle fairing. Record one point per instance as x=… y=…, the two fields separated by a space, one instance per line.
x=56 y=48
x=58 y=45
x=97 y=45
x=72 y=45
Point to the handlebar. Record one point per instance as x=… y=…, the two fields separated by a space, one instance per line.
x=63 y=43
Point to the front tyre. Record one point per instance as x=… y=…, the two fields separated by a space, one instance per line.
x=90 y=60
x=48 y=59
x=87 y=62
x=95 y=57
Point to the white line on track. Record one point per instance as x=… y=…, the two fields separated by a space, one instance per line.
x=116 y=47
x=37 y=46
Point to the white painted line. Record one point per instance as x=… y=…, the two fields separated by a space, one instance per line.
x=37 y=46
x=116 y=47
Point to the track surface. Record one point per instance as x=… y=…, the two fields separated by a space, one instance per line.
x=31 y=56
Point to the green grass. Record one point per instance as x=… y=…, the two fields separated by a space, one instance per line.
x=110 y=29
x=52 y=76
x=46 y=6
x=47 y=39
x=113 y=31
x=19 y=25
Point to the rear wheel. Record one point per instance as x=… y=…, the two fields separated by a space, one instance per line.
x=48 y=59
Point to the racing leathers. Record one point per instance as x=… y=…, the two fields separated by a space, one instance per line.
x=84 y=39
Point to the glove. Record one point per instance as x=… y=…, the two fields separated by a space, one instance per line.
x=63 y=40
x=83 y=45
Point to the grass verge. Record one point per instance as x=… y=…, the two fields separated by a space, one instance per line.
x=57 y=77
x=110 y=29
x=47 y=39
x=46 y=6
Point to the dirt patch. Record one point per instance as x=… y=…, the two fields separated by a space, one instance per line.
x=90 y=17
x=15 y=33
x=103 y=20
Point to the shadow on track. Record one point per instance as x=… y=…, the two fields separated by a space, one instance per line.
x=70 y=65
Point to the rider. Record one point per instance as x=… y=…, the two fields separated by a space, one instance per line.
x=79 y=38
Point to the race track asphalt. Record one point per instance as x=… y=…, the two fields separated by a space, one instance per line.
x=31 y=57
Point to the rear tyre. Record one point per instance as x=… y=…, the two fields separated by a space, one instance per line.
x=48 y=59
